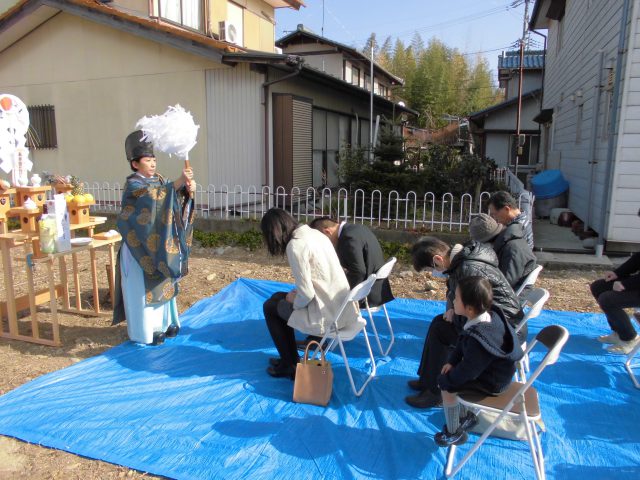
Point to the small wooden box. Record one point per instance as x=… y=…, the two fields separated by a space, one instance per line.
x=37 y=194
x=28 y=219
x=5 y=202
x=79 y=212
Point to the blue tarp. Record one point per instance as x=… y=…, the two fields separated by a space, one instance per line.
x=202 y=406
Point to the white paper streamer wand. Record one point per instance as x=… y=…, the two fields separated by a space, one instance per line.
x=174 y=133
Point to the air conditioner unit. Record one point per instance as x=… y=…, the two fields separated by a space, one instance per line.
x=228 y=32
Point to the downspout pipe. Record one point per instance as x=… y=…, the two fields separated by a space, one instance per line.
x=265 y=92
x=613 y=137
x=594 y=135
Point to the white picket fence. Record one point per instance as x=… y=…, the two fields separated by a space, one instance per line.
x=391 y=211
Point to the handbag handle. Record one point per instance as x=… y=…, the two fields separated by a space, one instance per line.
x=323 y=360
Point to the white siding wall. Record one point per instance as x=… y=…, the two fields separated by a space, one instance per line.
x=505 y=119
x=236 y=127
x=587 y=28
x=331 y=64
x=531 y=81
x=624 y=224
x=497 y=148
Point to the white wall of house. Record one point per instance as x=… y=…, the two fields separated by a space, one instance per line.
x=532 y=80
x=570 y=86
x=236 y=127
x=101 y=81
x=331 y=64
x=505 y=119
x=624 y=223
x=497 y=148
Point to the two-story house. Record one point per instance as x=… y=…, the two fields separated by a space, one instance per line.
x=591 y=111
x=495 y=128
x=93 y=69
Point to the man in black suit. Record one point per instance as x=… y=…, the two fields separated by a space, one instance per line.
x=359 y=253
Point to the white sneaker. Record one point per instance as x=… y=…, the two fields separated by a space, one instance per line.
x=612 y=338
x=624 y=347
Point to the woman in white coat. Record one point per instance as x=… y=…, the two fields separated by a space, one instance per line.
x=320 y=288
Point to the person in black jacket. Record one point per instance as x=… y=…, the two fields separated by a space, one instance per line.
x=483 y=360
x=472 y=259
x=504 y=209
x=359 y=253
x=614 y=292
x=515 y=258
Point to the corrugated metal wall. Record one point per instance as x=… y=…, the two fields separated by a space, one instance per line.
x=235 y=126
x=302 y=124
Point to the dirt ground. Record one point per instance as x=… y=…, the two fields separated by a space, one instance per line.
x=210 y=271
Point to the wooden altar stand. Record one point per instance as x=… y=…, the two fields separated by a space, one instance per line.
x=9 y=308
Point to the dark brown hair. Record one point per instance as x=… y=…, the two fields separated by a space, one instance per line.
x=476 y=292
x=277 y=228
x=425 y=249
x=322 y=222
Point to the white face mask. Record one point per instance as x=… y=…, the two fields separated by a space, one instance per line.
x=438 y=274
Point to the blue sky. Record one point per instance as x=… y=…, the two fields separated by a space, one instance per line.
x=469 y=25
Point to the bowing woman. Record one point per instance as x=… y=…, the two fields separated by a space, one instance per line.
x=320 y=288
x=155 y=224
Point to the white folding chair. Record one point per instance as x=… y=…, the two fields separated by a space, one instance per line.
x=334 y=335
x=628 y=364
x=529 y=279
x=534 y=301
x=519 y=402
x=382 y=273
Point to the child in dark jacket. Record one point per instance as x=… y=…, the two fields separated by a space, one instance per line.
x=483 y=360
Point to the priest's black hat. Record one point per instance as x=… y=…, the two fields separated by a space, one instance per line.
x=136 y=148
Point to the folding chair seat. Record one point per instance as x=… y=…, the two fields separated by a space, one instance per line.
x=534 y=302
x=382 y=273
x=628 y=364
x=335 y=336
x=529 y=279
x=519 y=402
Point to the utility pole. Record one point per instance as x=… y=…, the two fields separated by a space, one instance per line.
x=520 y=143
x=371 y=110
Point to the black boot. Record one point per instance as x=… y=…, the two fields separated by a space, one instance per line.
x=172 y=331
x=158 y=338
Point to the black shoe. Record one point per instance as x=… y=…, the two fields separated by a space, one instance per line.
x=416 y=385
x=446 y=439
x=172 y=331
x=469 y=421
x=275 y=361
x=282 y=371
x=158 y=338
x=425 y=399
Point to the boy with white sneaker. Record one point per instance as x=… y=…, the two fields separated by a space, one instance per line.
x=614 y=292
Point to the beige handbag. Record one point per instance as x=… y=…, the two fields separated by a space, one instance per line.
x=314 y=379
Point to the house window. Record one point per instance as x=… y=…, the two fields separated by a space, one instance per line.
x=235 y=17
x=529 y=155
x=606 y=124
x=579 y=123
x=559 y=34
x=355 y=76
x=367 y=82
x=348 y=72
x=42 y=127
x=187 y=13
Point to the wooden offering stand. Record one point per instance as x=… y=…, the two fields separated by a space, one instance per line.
x=79 y=212
x=5 y=205
x=37 y=194
x=32 y=258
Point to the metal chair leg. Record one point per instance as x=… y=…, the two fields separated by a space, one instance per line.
x=629 y=366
